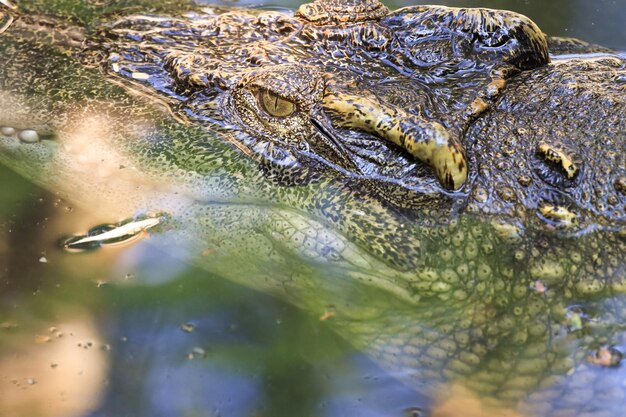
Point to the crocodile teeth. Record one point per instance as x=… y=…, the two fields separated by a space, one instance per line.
x=6 y=20
x=8 y=4
x=428 y=141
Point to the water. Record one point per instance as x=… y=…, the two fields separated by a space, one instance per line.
x=133 y=331
x=130 y=332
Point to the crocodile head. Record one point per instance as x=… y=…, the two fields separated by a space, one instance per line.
x=517 y=307
x=323 y=88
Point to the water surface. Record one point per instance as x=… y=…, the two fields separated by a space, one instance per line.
x=132 y=331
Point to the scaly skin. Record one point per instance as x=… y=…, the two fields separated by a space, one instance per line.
x=460 y=58
x=487 y=289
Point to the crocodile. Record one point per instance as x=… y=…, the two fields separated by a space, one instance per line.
x=504 y=273
x=224 y=58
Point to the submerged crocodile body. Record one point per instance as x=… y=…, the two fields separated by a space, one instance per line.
x=363 y=125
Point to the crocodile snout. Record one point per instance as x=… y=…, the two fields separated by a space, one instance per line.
x=435 y=35
x=503 y=35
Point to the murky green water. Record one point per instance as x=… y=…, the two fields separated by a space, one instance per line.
x=133 y=331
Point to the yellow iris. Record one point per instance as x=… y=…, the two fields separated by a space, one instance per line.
x=276 y=105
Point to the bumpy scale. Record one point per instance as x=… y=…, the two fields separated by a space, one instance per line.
x=352 y=53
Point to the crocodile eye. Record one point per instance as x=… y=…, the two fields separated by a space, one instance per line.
x=276 y=105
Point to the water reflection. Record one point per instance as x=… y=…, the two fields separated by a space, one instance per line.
x=56 y=371
x=157 y=337
x=246 y=355
x=132 y=331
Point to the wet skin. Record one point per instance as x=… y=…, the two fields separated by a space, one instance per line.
x=330 y=76
x=445 y=288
